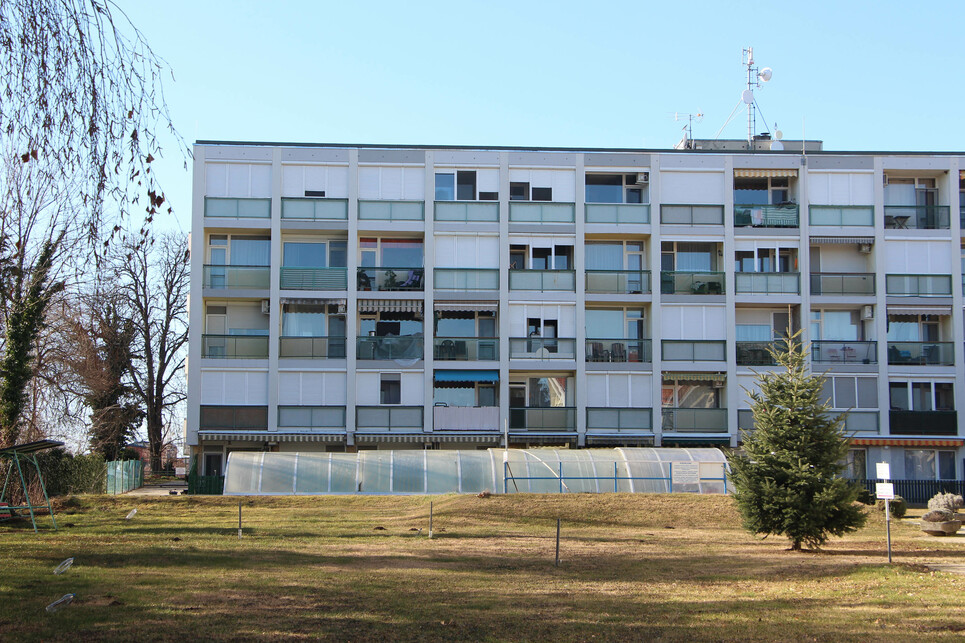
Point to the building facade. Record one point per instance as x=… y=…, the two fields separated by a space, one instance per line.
x=352 y=297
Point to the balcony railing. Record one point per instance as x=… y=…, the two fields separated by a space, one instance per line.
x=556 y=418
x=768 y=283
x=758 y=353
x=465 y=418
x=920 y=217
x=543 y=280
x=680 y=420
x=466 y=279
x=703 y=350
x=605 y=419
x=234 y=418
x=236 y=277
x=389 y=418
x=314 y=209
x=237 y=208
x=617 y=213
x=925 y=353
x=864 y=421
x=467 y=211
x=923 y=422
x=392 y=210
x=767 y=216
x=314 y=278
x=406 y=347
x=463 y=349
x=311 y=417
x=618 y=350
x=234 y=346
x=331 y=347
x=844 y=352
x=842 y=215
x=541 y=212
x=621 y=282
x=918 y=285
x=842 y=283
x=542 y=348
x=691 y=283
x=686 y=214
x=390 y=279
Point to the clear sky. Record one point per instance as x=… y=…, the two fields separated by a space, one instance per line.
x=858 y=75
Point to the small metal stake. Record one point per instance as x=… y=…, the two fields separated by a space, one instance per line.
x=430 y=520
x=239 y=520
x=888 y=526
x=557 y=542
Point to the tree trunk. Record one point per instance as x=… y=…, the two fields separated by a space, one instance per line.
x=154 y=438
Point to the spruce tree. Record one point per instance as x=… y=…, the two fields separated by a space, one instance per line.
x=788 y=479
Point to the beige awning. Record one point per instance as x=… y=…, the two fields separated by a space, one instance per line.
x=698 y=377
x=843 y=240
x=746 y=173
x=390 y=305
x=920 y=310
x=468 y=306
x=427 y=437
x=306 y=301
x=212 y=436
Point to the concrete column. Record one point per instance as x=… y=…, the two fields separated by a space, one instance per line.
x=196 y=300
x=656 y=329
x=727 y=264
x=881 y=300
x=428 y=314
x=274 y=290
x=579 y=265
x=351 y=306
x=503 y=321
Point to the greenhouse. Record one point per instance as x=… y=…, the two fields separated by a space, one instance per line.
x=628 y=470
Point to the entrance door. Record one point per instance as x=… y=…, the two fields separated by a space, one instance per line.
x=212 y=464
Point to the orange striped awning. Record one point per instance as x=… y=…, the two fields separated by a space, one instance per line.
x=774 y=173
x=894 y=442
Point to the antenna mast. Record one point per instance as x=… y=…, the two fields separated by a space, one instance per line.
x=755 y=78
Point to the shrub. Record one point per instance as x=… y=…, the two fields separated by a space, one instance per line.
x=898 y=506
x=948 y=501
x=865 y=497
x=938 y=515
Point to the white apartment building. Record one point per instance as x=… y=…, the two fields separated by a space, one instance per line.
x=352 y=297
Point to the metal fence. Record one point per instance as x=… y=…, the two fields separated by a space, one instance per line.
x=918 y=492
x=124 y=476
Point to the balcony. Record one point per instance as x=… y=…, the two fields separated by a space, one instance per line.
x=691 y=283
x=758 y=353
x=703 y=350
x=390 y=279
x=314 y=209
x=923 y=353
x=923 y=422
x=846 y=352
x=462 y=279
x=467 y=211
x=842 y=283
x=682 y=214
x=917 y=217
x=233 y=418
x=312 y=418
x=767 y=216
x=466 y=349
x=236 y=277
x=864 y=421
x=408 y=347
x=237 y=208
x=617 y=213
x=392 y=210
x=404 y=419
x=620 y=282
x=679 y=420
x=235 y=346
x=768 y=283
x=610 y=420
x=619 y=350
x=918 y=285
x=314 y=278
x=556 y=418
x=842 y=215
x=465 y=418
x=543 y=280
x=332 y=347
x=541 y=212
x=542 y=348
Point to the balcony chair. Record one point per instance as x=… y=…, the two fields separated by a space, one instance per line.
x=619 y=352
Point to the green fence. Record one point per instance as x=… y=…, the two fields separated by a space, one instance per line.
x=124 y=476
x=204 y=485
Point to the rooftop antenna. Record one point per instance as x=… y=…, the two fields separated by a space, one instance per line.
x=688 y=128
x=755 y=79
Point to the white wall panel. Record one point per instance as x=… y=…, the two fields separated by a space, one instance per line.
x=840 y=188
x=368 y=387
x=308 y=388
x=744 y=383
x=487 y=180
x=413 y=388
x=234 y=387
x=692 y=187
x=238 y=180
x=565 y=315
x=843 y=258
x=619 y=390
x=467 y=251
x=693 y=322
x=563 y=182
x=296 y=179
x=918 y=257
x=395 y=183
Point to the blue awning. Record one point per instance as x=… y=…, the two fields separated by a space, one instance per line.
x=467 y=376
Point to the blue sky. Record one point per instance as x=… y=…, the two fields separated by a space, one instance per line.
x=860 y=75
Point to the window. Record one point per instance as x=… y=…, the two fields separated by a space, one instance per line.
x=313 y=417
x=914 y=328
x=855 y=466
x=762 y=191
x=312 y=320
x=615 y=255
x=542 y=194
x=234 y=417
x=928 y=464
x=465 y=323
x=239 y=250
x=910 y=191
x=519 y=191
x=390 y=253
x=616 y=188
x=314 y=254
x=688 y=257
x=851 y=392
x=921 y=396
x=691 y=394
x=445 y=187
x=540 y=258
x=615 y=323
x=836 y=325
x=390 y=391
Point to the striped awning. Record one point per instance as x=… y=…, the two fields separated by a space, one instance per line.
x=427 y=437
x=305 y=301
x=390 y=305
x=214 y=436
x=777 y=173
x=842 y=240
x=919 y=310
x=467 y=306
x=642 y=440
x=894 y=442
x=698 y=377
x=467 y=376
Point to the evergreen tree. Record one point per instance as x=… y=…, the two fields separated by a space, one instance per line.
x=788 y=480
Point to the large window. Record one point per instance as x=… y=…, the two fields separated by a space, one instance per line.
x=314 y=254
x=688 y=257
x=914 y=328
x=928 y=464
x=845 y=392
x=762 y=191
x=921 y=396
x=617 y=188
x=835 y=325
x=615 y=323
x=855 y=466
x=615 y=255
x=690 y=394
x=239 y=250
x=390 y=253
x=311 y=320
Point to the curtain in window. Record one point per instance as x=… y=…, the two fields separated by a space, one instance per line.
x=250 y=251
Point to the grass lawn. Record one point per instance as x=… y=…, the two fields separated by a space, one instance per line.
x=634 y=568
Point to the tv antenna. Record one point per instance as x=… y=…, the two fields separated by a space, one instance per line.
x=688 y=128
x=755 y=79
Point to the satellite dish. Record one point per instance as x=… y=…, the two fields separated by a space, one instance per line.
x=748 y=97
x=777 y=146
x=778 y=134
x=765 y=74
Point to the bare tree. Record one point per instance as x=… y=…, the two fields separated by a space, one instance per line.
x=155 y=280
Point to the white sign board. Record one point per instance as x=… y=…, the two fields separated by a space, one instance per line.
x=180 y=471
x=885 y=490
x=883 y=471
x=685 y=472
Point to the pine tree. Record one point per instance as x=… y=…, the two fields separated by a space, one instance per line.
x=788 y=480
